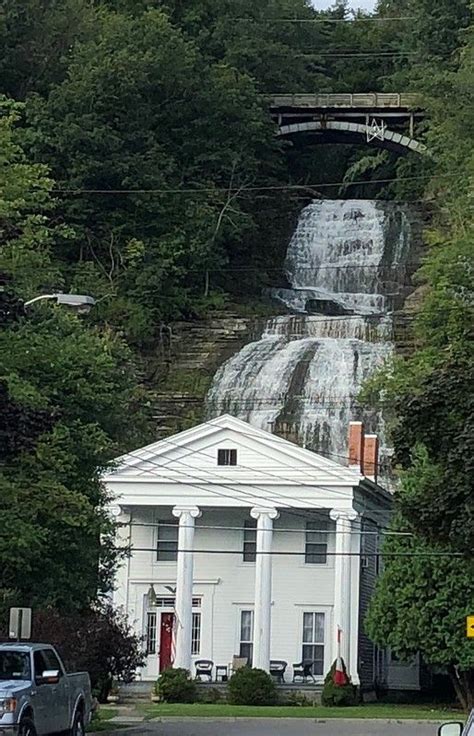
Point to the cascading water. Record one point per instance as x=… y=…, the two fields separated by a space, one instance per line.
x=343 y=263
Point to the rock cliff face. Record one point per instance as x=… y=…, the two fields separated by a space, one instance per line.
x=181 y=369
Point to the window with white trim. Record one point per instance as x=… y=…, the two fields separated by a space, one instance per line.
x=151 y=632
x=167 y=541
x=316 y=542
x=313 y=641
x=227 y=456
x=196 y=634
x=246 y=636
x=250 y=540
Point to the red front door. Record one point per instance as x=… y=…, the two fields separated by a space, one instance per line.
x=166 y=640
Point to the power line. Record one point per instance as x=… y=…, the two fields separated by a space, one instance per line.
x=363 y=54
x=281 y=553
x=275 y=529
x=245 y=189
x=247 y=494
x=371 y=19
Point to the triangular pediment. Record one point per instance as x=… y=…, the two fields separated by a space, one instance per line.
x=262 y=458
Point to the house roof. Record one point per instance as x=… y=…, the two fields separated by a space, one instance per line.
x=262 y=458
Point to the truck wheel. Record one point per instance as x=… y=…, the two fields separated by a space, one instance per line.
x=27 y=727
x=78 y=728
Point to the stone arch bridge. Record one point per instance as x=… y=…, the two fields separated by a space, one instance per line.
x=386 y=120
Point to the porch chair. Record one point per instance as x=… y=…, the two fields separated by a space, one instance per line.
x=277 y=670
x=303 y=670
x=204 y=668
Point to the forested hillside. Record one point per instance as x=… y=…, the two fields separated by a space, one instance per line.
x=139 y=164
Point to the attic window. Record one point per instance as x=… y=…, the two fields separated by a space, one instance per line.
x=227 y=457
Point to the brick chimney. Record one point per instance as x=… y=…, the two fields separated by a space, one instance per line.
x=371 y=456
x=356 y=446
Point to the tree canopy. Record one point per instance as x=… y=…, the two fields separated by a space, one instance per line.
x=424 y=595
x=65 y=390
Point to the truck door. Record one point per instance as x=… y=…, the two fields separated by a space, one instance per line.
x=42 y=697
x=62 y=704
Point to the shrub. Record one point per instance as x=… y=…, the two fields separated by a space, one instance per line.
x=252 y=687
x=176 y=686
x=338 y=695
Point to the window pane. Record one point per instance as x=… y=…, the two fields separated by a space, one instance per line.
x=318 y=627
x=318 y=658
x=196 y=634
x=316 y=542
x=316 y=554
x=313 y=641
x=168 y=532
x=167 y=546
x=227 y=457
x=246 y=626
x=246 y=650
x=250 y=551
x=39 y=663
x=307 y=627
x=151 y=633
x=52 y=662
x=250 y=540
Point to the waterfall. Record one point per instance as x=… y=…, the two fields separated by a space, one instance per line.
x=344 y=265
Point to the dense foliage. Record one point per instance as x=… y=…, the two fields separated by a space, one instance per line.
x=65 y=389
x=427 y=587
x=252 y=686
x=176 y=686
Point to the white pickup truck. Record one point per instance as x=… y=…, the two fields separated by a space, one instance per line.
x=37 y=697
x=457 y=729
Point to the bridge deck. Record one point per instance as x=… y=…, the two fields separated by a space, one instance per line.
x=366 y=101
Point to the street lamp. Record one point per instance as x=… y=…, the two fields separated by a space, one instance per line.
x=79 y=302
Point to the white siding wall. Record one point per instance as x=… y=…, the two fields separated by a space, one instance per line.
x=226 y=583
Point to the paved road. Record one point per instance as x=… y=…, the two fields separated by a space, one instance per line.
x=281 y=727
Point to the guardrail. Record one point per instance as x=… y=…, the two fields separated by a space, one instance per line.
x=358 y=100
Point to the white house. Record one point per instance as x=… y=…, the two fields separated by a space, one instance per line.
x=245 y=544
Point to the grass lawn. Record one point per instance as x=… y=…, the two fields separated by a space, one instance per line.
x=100 y=721
x=375 y=710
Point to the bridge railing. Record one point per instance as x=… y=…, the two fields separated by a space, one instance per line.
x=357 y=100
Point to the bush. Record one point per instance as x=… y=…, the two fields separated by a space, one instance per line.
x=176 y=686
x=252 y=687
x=338 y=695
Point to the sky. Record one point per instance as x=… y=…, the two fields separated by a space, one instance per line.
x=365 y=4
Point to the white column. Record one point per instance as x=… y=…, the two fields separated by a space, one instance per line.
x=342 y=584
x=263 y=587
x=184 y=584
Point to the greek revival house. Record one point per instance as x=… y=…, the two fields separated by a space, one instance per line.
x=246 y=545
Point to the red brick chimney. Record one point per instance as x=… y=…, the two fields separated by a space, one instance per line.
x=356 y=446
x=371 y=456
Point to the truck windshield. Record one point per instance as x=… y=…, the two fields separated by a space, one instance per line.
x=14 y=666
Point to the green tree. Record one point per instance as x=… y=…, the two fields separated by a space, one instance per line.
x=36 y=38
x=196 y=135
x=69 y=402
x=427 y=585
x=420 y=607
